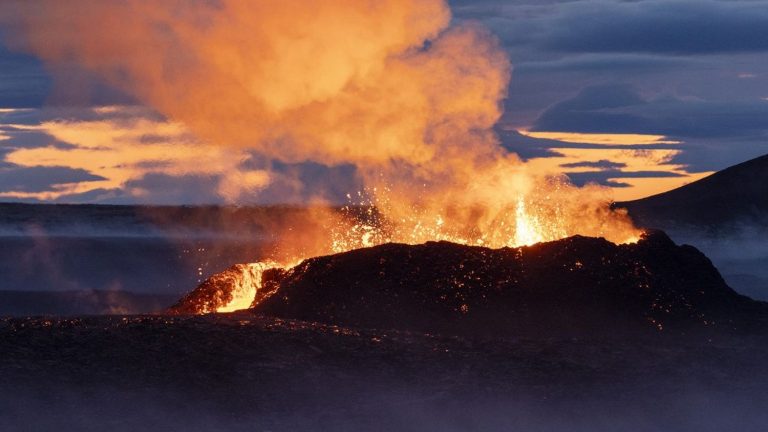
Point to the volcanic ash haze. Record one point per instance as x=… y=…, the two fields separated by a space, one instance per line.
x=391 y=87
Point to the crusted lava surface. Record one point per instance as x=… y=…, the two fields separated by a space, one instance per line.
x=573 y=286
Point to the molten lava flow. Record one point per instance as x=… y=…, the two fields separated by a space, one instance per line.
x=527 y=229
x=245 y=285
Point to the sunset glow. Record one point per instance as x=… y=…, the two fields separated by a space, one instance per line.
x=600 y=138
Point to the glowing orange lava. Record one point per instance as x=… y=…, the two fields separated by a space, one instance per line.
x=525 y=222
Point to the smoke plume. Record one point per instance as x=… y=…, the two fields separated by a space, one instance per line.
x=390 y=86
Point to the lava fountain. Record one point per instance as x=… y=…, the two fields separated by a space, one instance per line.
x=392 y=87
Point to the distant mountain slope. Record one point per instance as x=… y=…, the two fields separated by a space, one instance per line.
x=730 y=197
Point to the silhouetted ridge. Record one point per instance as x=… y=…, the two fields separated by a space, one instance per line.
x=735 y=195
x=569 y=286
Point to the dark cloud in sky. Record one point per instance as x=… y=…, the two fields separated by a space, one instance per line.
x=669 y=27
x=21 y=138
x=290 y=184
x=711 y=154
x=183 y=189
x=629 y=64
x=619 y=26
x=621 y=109
x=601 y=97
x=594 y=110
x=23 y=81
x=3 y=154
x=697 y=66
x=99 y=195
x=319 y=181
x=41 y=179
x=602 y=164
x=607 y=177
x=526 y=147
x=306 y=181
x=77 y=87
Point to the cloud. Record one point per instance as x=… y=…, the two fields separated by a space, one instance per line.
x=97 y=196
x=17 y=138
x=140 y=157
x=116 y=144
x=23 y=81
x=588 y=111
x=711 y=154
x=652 y=165
x=713 y=134
x=603 y=163
x=602 y=96
x=302 y=183
x=615 y=26
x=160 y=188
x=607 y=177
x=621 y=109
x=626 y=64
x=3 y=154
x=525 y=147
x=42 y=178
x=669 y=27
x=26 y=83
x=311 y=182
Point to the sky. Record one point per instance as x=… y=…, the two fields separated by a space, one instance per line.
x=637 y=96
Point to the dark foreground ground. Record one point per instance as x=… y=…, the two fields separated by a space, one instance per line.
x=243 y=372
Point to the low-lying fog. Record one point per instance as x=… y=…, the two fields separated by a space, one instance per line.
x=741 y=255
x=685 y=411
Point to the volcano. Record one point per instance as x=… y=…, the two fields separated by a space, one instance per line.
x=577 y=285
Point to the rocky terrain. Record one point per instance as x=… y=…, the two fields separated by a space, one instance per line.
x=725 y=215
x=573 y=286
x=245 y=372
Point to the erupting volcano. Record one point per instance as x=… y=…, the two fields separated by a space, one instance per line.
x=393 y=88
x=237 y=287
x=394 y=264
x=573 y=286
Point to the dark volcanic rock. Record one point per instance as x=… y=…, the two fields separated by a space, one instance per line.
x=244 y=373
x=571 y=286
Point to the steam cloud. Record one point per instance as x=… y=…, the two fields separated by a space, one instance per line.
x=389 y=86
x=332 y=81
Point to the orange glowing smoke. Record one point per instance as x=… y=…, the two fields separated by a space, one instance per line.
x=389 y=86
